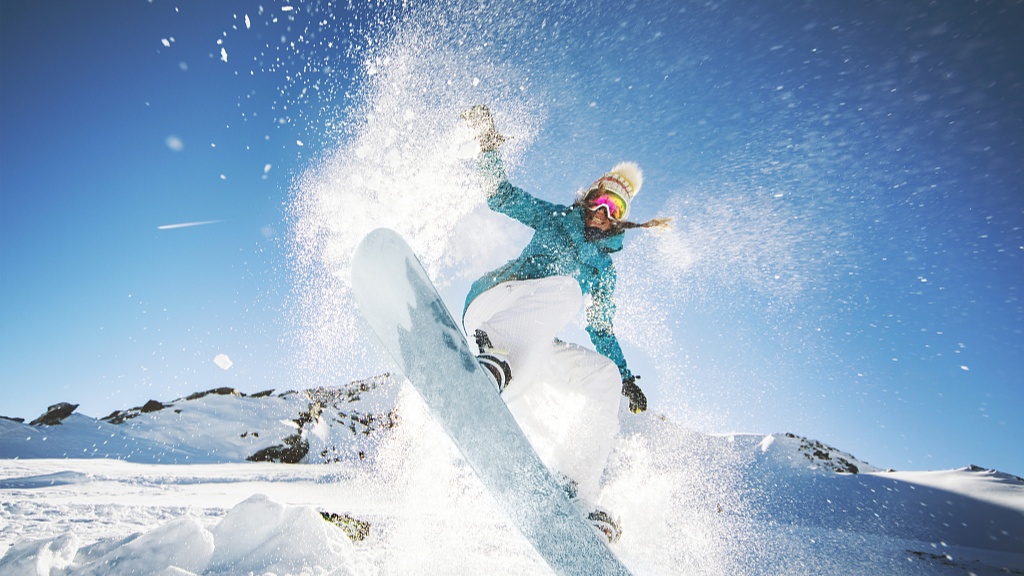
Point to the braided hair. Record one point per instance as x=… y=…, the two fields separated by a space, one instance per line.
x=619 y=226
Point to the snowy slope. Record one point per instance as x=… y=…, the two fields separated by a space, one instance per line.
x=221 y=425
x=170 y=492
x=80 y=436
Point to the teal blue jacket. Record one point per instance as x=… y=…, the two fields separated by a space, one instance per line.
x=558 y=248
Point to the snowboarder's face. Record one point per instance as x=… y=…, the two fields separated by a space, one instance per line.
x=597 y=217
x=603 y=208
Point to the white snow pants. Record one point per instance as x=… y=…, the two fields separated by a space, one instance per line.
x=565 y=397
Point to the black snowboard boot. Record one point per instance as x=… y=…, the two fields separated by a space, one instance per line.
x=494 y=361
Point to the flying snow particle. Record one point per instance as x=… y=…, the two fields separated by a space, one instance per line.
x=222 y=361
x=174 y=143
x=266 y=168
x=247 y=23
x=223 y=54
x=287 y=8
x=165 y=42
x=187 y=224
x=965 y=368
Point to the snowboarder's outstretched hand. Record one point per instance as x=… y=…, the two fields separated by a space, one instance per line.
x=480 y=120
x=637 y=400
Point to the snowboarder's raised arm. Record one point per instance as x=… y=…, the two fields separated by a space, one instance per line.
x=502 y=196
x=510 y=200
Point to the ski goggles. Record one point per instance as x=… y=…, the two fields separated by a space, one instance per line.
x=613 y=204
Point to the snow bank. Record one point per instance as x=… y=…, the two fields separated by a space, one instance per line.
x=55 y=479
x=258 y=536
x=182 y=544
x=40 y=556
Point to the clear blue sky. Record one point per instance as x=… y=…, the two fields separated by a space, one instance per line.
x=99 y=304
x=865 y=158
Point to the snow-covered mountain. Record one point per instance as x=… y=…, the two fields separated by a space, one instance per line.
x=219 y=425
x=359 y=480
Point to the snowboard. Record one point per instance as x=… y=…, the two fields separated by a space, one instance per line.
x=404 y=310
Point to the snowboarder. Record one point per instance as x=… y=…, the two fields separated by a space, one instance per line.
x=564 y=396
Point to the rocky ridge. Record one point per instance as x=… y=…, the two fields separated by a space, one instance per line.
x=336 y=423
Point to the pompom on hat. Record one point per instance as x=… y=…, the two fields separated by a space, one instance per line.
x=624 y=180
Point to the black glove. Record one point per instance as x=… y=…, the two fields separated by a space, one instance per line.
x=637 y=400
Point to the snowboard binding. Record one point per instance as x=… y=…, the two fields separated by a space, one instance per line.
x=605 y=524
x=494 y=361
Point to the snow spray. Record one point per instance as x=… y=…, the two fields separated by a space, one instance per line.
x=402 y=158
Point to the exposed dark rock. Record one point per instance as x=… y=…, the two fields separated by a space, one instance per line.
x=293 y=450
x=1004 y=475
x=334 y=400
x=55 y=414
x=310 y=415
x=824 y=455
x=121 y=416
x=351 y=393
x=118 y=417
x=152 y=406
x=325 y=403
x=224 y=391
x=19 y=420
x=295 y=447
x=940 y=558
x=367 y=424
x=357 y=530
x=262 y=394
